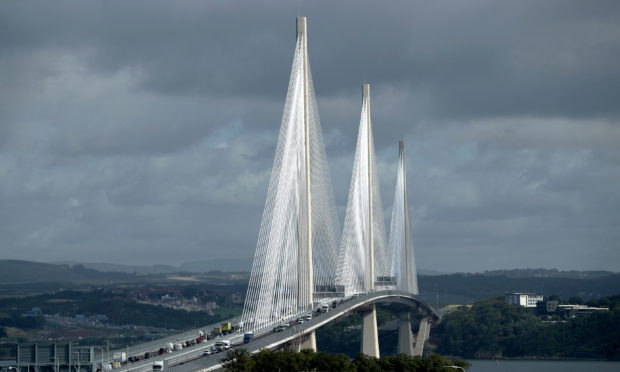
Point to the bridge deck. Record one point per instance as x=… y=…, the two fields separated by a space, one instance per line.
x=192 y=359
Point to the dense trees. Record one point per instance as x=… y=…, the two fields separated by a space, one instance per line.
x=492 y=328
x=18 y=321
x=307 y=360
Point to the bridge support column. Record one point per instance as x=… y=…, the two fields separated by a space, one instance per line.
x=423 y=333
x=370 y=335
x=405 y=337
x=308 y=342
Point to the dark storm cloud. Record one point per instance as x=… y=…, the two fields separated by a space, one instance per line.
x=477 y=58
x=141 y=128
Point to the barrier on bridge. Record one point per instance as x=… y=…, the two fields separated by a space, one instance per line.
x=328 y=291
x=386 y=281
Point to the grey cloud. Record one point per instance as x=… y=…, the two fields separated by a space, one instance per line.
x=476 y=59
x=139 y=129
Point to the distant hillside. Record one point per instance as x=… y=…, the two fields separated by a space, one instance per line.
x=198 y=267
x=16 y=272
x=443 y=288
x=122 y=268
x=467 y=288
x=218 y=264
x=548 y=273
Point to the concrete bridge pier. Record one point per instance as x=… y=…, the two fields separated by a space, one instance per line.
x=423 y=333
x=405 y=336
x=307 y=341
x=370 y=335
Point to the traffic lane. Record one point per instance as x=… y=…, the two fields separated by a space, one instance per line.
x=191 y=352
x=262 y=342
x=154 y=346
x=274 y=339
x=179 y=337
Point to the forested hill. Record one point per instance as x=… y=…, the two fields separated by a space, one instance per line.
x=467 y=288
x=493 y=329
x=16 y=272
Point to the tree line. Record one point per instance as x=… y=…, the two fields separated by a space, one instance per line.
x=240 y=360
x=491 y=328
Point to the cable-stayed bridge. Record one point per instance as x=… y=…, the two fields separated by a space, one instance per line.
x=302 y=260
x=299 y=263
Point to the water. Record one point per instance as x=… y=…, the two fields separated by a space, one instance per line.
x=541 y=366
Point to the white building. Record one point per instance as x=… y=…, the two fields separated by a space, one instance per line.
x=523 y=299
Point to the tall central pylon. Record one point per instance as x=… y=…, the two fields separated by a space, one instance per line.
x=304 y=258
x=363 y=244
x=297 y=248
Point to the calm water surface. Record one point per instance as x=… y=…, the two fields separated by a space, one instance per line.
x=541 y=365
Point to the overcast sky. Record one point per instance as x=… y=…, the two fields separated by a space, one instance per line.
x=144 y=132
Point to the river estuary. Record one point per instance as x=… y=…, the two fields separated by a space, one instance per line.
x=542 y=366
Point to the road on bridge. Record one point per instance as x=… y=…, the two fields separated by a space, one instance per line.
x=271 y=340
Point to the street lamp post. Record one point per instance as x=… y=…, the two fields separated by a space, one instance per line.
x=79 y=367
x=102 y=349
x=57 y=363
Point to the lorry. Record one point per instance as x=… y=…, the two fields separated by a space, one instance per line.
x=158 y=366
x=120 y=357
x=247 y=337
x=226 y=328
x=222 y=345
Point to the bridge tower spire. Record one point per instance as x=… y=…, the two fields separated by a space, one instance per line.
x=304 y=257
x=370 y=335
x=370 y=285
x=297 y=248
x=401 y=242
x=363 y=246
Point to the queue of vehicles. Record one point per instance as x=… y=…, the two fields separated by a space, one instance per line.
x=120 y=358
x=226 y=328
